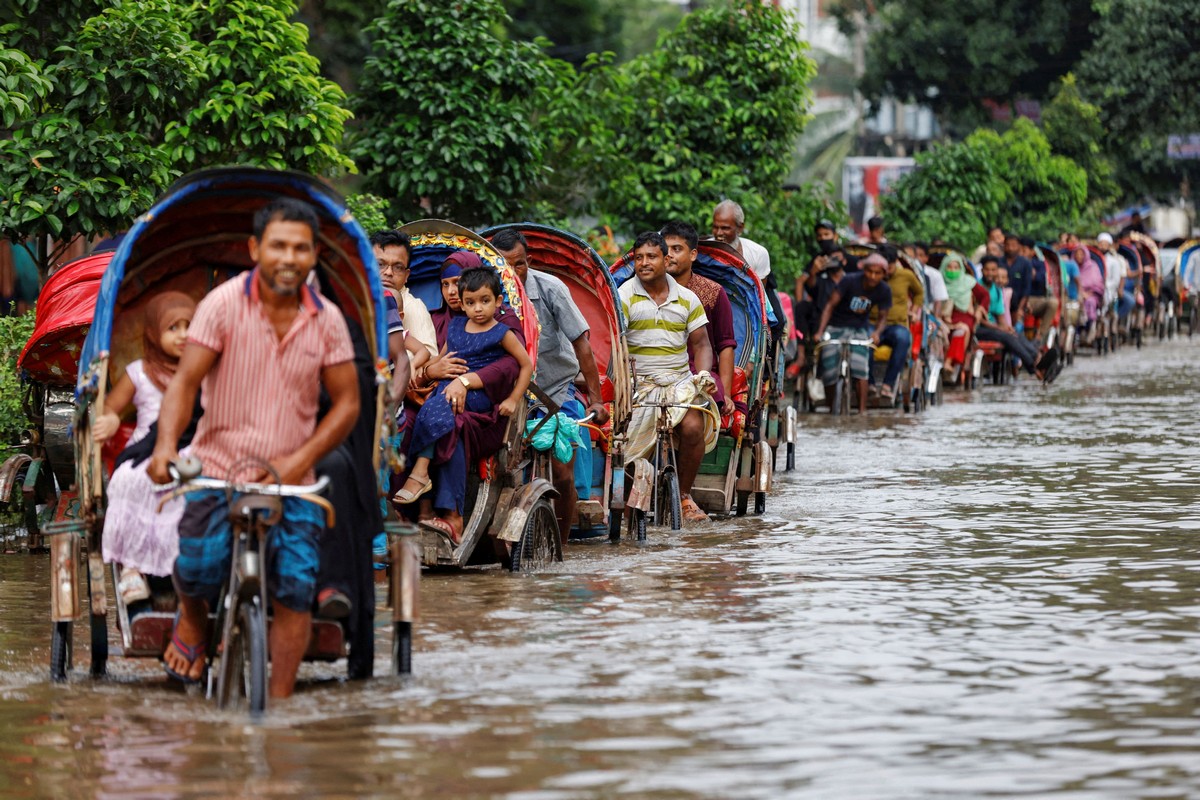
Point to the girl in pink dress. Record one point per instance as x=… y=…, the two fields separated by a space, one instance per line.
x=137 y=536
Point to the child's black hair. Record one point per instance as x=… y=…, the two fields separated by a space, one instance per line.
x=477 y=278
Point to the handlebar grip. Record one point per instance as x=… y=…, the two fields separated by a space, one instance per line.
x=186 y=469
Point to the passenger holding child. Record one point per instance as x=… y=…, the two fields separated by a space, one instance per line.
x=480 y=340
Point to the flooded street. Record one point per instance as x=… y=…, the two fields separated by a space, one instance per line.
x=998 y=598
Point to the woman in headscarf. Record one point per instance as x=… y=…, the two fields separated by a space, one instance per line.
x=477 y=436
x=964 y=291
x=1091 y=284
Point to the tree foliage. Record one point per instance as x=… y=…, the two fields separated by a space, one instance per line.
x=953 y=54
x=14 y=332
x=446 y=109
x=713 y=112
x=107 y=102
x=1142 y=71
x=1013 y=179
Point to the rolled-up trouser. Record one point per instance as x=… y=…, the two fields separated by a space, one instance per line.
x=206 y=549
x=1044 y=309
x=831 y=355
x=899 y=338
x=1019 y=346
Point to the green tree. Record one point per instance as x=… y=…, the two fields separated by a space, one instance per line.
x=1075 y=129
x=953 y=54
x=105 y=103
x=713 y=112
x=1014 y=179
x=446 y=108
x=1142 y=70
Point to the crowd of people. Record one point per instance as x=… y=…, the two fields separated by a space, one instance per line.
x=463 y=368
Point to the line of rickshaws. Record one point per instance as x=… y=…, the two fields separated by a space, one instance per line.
x=88 y=328
x=1166 y=279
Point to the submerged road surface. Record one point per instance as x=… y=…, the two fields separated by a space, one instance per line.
x=995 y=599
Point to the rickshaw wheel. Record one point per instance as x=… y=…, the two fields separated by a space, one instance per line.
x=760 y=502
x=402 y=648
x=790 y=461
x=669 y=504
x=742 y=504
x=60 y=651
x=243 y=670
x=539 y=546
x=614 y=526
x=637 y=524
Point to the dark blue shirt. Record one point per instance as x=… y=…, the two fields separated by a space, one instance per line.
x=1037 y=279
x=1020 y=275
x=854 y=308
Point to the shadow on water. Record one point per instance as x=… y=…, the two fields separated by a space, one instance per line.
x=995 y=599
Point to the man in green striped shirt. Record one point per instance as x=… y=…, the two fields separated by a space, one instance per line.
x=665 y=319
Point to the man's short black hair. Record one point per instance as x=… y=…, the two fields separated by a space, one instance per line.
x=286 y=209
x=1027 y=241
x=682 y=230
x=921 y=246
x=392 y=238
x=1012 y=235
x=875 y=224
x=989 y=259
x=826 y=224
x=650 y=237
x=509 y=239
x=477 y=278
x=889 y=252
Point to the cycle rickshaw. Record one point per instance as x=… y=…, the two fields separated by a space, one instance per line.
x=39 y=478
x=191 y=240
x=507 y=520
x=574 y=262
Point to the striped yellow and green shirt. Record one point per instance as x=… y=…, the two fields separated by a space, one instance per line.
x=658 y=335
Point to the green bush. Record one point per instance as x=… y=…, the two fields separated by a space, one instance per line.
x=14 y=332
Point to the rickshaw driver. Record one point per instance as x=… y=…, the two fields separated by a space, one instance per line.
x=258 y=343
x=563 y=352
x=665 y=321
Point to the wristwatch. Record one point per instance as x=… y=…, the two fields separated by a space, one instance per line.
x=463 y=380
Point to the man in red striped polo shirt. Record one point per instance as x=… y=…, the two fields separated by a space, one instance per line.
x=261 y=345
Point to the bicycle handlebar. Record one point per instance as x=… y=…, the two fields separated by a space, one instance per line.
x=187 y=476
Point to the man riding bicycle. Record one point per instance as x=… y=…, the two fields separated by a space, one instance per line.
x=262 y=344
x=847 y=316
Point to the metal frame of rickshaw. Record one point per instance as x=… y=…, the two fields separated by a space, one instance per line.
x=192 y=239
x=587 y=277
x=726 y=483
x=44 y=467
x=508 y=519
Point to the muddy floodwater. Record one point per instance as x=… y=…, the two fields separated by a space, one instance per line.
x=995 y=599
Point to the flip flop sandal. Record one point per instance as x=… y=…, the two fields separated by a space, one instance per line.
x=192 y=653
x=405 y=498
x=439 y=524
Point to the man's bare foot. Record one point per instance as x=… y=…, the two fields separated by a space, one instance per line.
x=184 y=656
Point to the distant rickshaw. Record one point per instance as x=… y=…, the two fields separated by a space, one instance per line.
x=191 y=240
x=508 y=520
x=1188 y=283
x=39 y=478
x=586 y=275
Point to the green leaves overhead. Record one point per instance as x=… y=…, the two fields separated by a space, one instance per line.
x=104 y=104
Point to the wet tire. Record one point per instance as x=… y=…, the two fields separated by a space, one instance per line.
x=669 y=504
x=789 y=462
x=60 y=651
x=242 y=681
x=539 y=544
x=760 y=502
x=402 y=649
x=743 y=504
x=637 y=524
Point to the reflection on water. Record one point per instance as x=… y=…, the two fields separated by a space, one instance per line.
x=998 y=598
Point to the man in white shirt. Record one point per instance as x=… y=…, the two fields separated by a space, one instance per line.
x=1115 y=269
x=728 y=222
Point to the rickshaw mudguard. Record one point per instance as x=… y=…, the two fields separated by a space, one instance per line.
x=643 y=484
x=511 y=524
x=10 y=471
x=763 y=467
